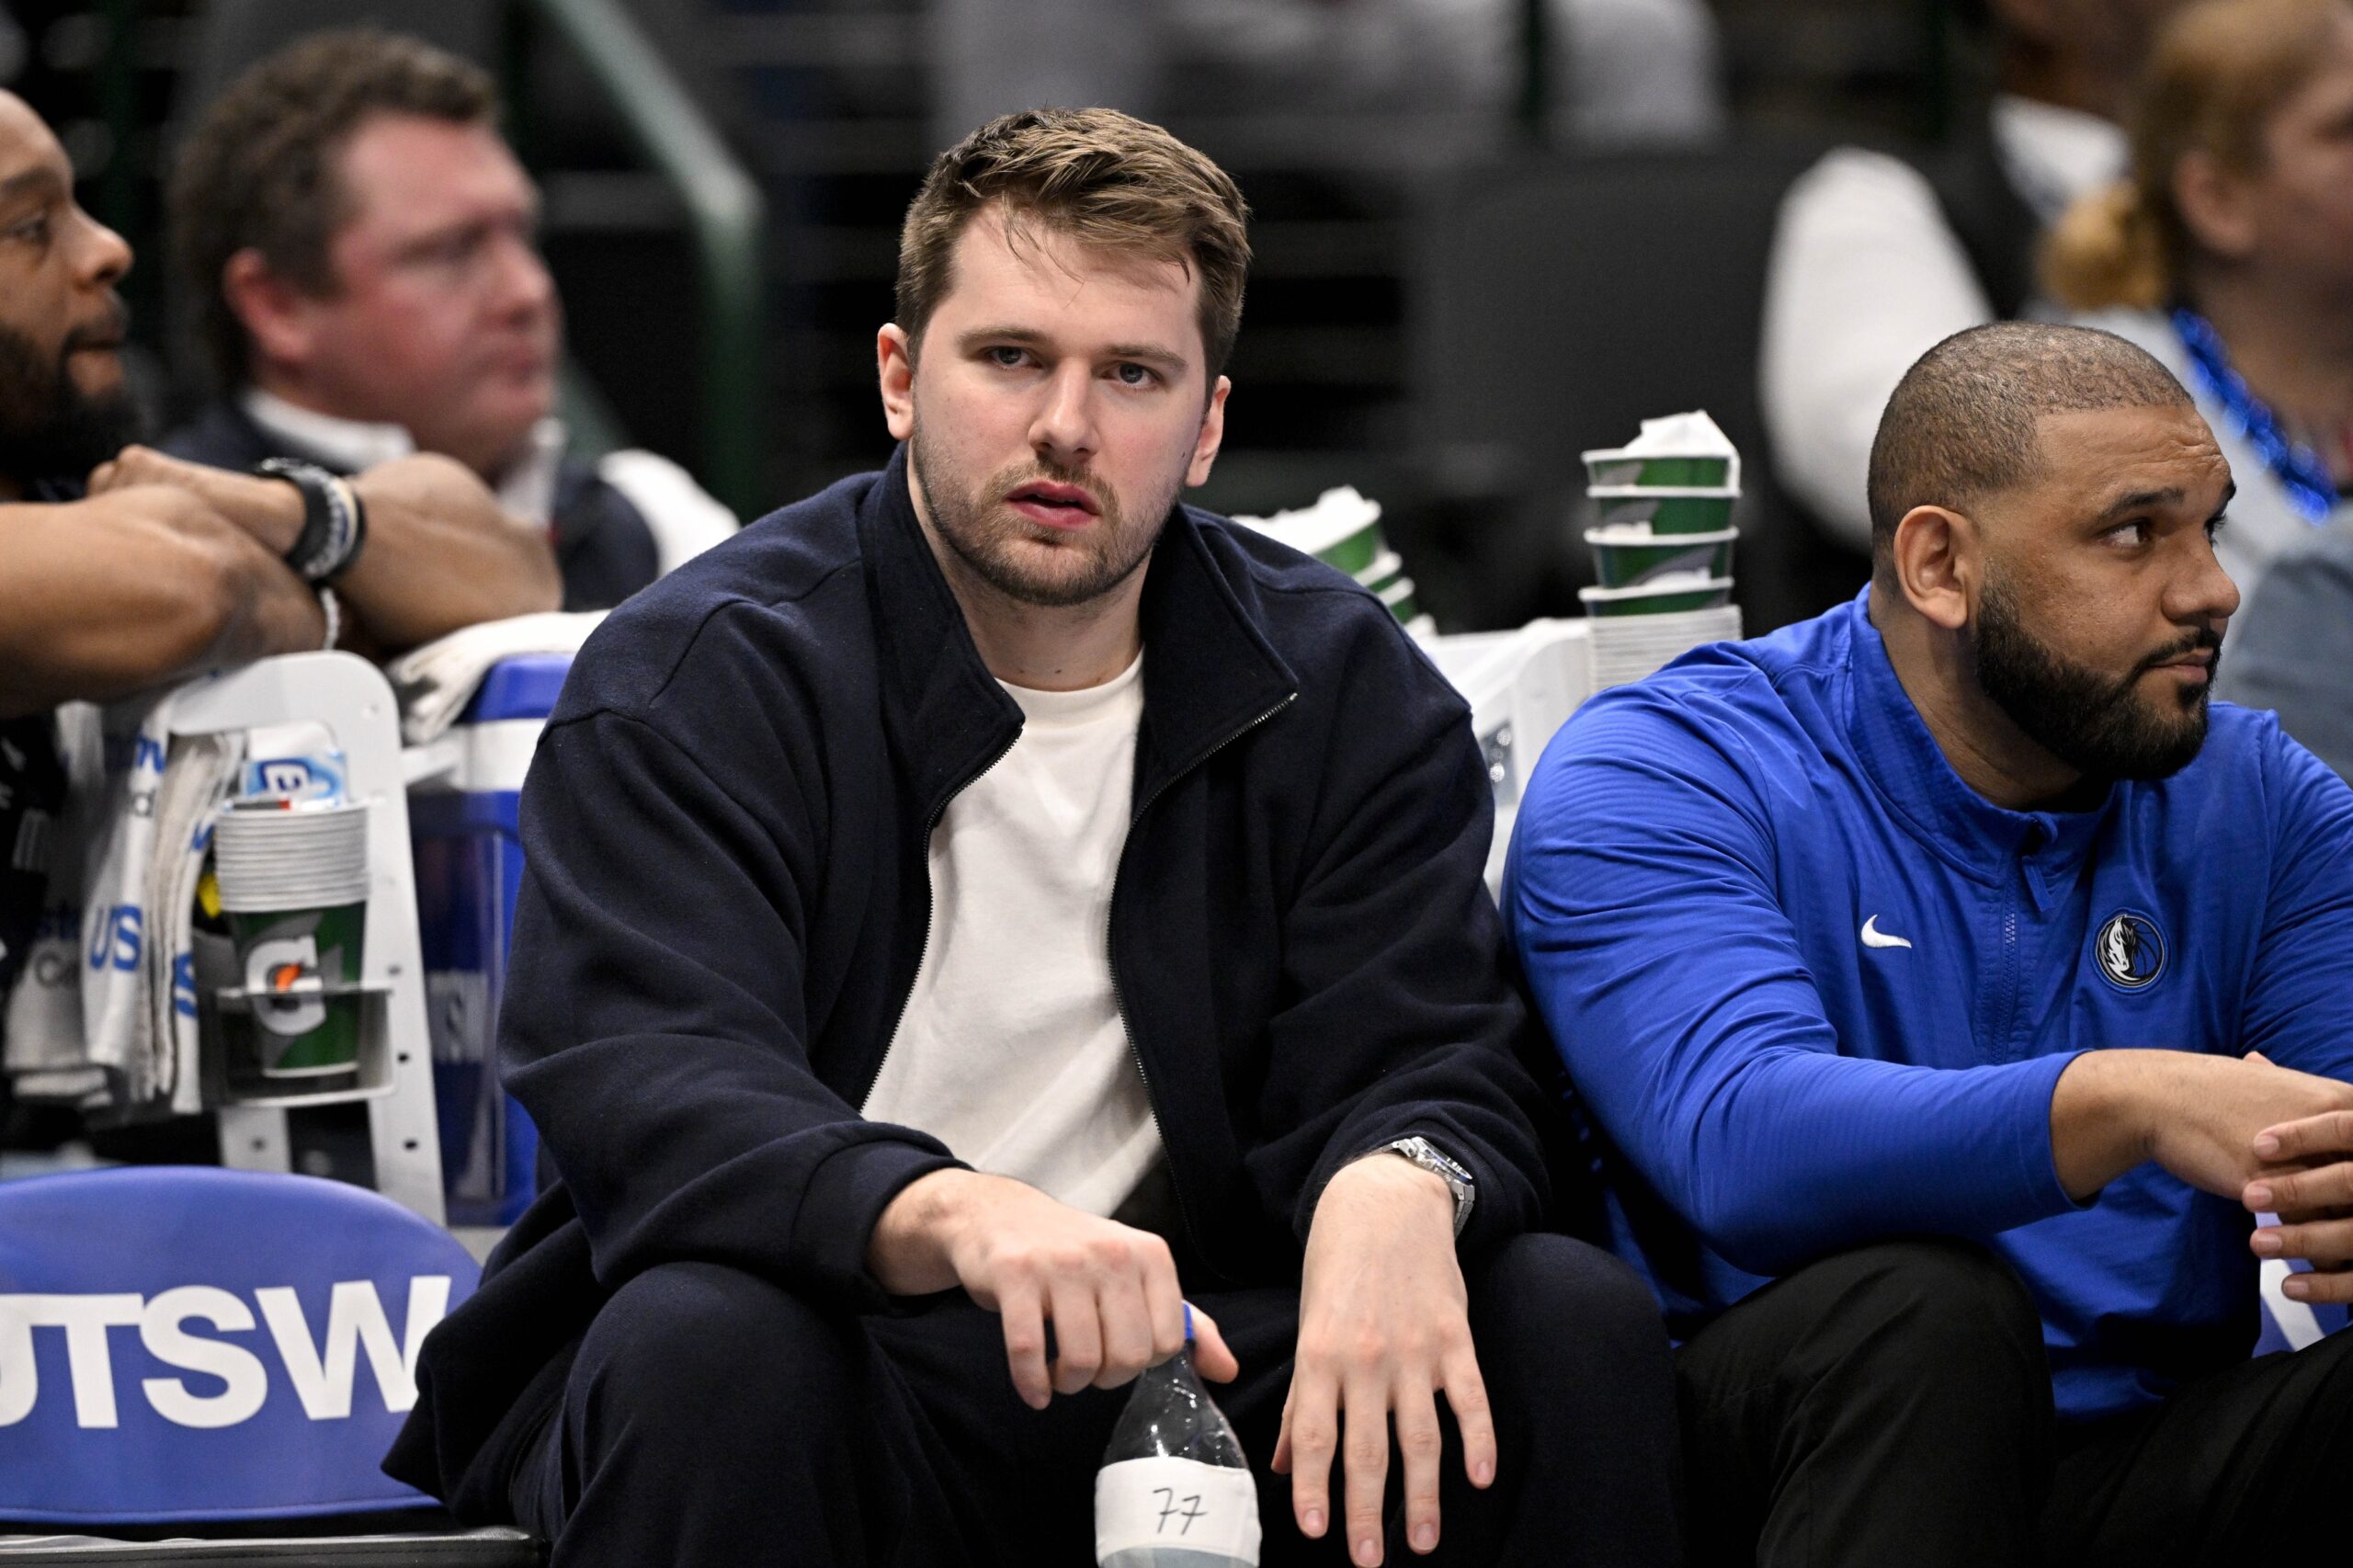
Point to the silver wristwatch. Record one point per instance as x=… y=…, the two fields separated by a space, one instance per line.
x=1425 y=1154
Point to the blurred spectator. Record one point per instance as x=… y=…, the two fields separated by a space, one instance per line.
x=1618 y=73
x=2228 y=254
x=1879 y=258
x=360 y=246
x=155 y=570
x=2240 y=217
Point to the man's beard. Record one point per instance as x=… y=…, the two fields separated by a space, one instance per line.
x=989 y=536
x=51 y=428
x=2100 y=726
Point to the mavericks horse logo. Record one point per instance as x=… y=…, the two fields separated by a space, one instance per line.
x=2131 y=952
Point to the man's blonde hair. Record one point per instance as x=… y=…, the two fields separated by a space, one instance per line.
x=1101 y=177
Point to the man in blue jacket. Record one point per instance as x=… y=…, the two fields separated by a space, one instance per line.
x=1945 y=985
x=973 y=900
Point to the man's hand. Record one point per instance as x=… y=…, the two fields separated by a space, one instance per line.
x=2198 y=1116
x=1110 y=1290
x=440 y=555
x=1383 y=1325
x=271 y=510
x=2306 y=1178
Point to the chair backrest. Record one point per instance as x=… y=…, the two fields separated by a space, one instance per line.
x=182 y=1343
x=1562 y=300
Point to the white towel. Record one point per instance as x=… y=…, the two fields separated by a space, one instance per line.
x=436 y=681
x=105 y=1015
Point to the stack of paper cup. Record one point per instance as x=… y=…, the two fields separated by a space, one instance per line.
x=1626 y=648
x=293 y=883
x=1663 y=549
x=1665 y=538
x=1343 y=530
x=268 y=856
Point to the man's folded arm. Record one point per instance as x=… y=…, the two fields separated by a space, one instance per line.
x=655 y=1026
x=1642 y=901
x=1399 y=1021
x=2296 y=1011
x=441 y=555
x=120 y=593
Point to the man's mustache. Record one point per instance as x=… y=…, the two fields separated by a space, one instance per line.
x=2204 y=642
x=111 y=328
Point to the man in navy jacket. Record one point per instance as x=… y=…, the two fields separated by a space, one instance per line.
x=1923 y=952
x=981 y=895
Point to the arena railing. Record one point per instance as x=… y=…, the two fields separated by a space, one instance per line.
x=726 y=213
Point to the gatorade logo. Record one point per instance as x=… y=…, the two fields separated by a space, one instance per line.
x=273 y=967
x=230 y=1382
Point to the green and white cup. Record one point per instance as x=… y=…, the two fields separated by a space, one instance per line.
x=1668 y=509
x=294 y=886
x=1381 y=571
x=1399 y=596
x=1630 y=555
x=1604 y=470
x=1671 y=596
x=1353 y=552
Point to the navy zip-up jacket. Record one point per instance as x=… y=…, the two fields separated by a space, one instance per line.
x=726 y=897
x=1816 y=992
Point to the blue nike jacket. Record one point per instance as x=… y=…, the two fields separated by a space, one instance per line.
x=1813 y=991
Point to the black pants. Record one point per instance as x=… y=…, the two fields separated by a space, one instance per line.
x=1892 y=1405
x=712 y=1418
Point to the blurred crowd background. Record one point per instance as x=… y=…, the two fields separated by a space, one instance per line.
x=1489 y=233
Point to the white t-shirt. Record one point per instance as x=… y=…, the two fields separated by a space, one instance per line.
x=1012 y=1051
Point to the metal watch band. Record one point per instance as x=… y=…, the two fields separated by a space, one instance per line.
x=1452 y=1172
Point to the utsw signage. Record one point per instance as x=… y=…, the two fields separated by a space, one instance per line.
x=216 y=1354
x=185 y=1344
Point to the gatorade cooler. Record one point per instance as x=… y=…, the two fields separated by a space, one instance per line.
x=462 y=825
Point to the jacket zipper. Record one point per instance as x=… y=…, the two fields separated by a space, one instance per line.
x=923 y=948
x=1111 y=964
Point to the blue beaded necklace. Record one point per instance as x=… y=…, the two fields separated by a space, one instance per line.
x=2310 y=488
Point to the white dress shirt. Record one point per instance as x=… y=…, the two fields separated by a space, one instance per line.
x=1866 y=274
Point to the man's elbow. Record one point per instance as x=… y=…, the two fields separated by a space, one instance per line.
x=1751 y=1222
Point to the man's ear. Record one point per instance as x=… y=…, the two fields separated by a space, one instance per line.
x=1211 y=437
x=276 y=315
x=1935 y=559
x=894 y=366
x=2213 y=205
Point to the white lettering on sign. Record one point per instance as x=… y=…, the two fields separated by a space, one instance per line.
x=322 y=1377
x=160 y=1330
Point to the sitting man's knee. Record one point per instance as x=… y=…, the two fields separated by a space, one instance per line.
x=1943 y=1295
x=1531 y=1288
x=1544 y=1275
x=685 y=1334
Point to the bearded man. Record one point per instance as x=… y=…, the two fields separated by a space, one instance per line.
x=1948 y=986
x=123 y=570
x=973 y=908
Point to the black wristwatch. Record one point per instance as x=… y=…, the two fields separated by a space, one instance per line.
x=334 y=524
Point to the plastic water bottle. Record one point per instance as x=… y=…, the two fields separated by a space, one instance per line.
x=1174 y=1490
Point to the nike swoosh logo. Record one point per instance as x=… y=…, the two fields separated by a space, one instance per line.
x=1875 y=937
